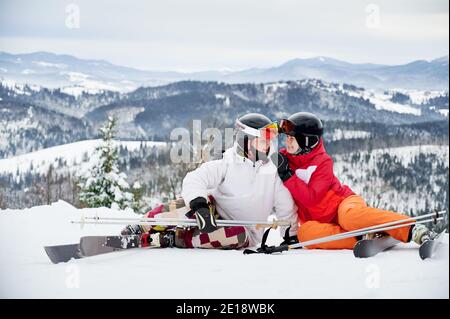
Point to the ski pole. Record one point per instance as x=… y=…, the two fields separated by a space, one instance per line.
x=396 y=222
x=354 y=234
x=181 y=220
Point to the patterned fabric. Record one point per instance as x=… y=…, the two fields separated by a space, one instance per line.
x=233 y=237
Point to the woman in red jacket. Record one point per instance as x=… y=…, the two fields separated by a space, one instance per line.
x=325 y=206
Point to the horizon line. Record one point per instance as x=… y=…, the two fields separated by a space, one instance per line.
x=186 y=71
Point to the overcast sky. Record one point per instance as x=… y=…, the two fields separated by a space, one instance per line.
x=227 y=34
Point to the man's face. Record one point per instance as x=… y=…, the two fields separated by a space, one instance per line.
x=291 y=144
x=261 y=144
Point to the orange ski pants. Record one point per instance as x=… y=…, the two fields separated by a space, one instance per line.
x=353 y=213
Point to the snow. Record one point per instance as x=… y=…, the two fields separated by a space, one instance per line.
x=26 y=272
x=339 y=134
x=420 y=96
x=51 y=65
x=272 y=87
x=443 y=112
x=382 y=102
x=73 y=153
x=85 y=83
x=357 y=174
x=18 y=87
x=75 y=91
x=136 y=185
x=224 y=98
x=407 y=153
x=270 y=90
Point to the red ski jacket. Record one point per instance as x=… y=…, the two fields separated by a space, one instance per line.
x=316 y=191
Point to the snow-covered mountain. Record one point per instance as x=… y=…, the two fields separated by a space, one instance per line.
x=73 y=75
x=72 y=154
x=26 y=272
x=36 y=117
x=425 y=75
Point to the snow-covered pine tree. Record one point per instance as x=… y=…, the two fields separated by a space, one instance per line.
x=103 y=185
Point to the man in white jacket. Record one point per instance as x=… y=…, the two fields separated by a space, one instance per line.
x=244 y=185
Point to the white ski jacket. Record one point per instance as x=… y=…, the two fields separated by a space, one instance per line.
x=242 y=190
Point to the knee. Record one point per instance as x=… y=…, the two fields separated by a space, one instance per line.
x=306 y=230
x=234 y=237
x=349 y=209
x=241 y=238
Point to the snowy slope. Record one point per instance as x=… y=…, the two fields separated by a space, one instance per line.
x=382 y=100
x=26 y=272
x=73 y=153
x=360 y=177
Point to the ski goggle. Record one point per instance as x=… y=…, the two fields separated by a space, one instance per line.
x=287 y=127
x=268 y=132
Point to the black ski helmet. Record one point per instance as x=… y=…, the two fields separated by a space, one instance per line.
x=247 y=128
x=307 y=129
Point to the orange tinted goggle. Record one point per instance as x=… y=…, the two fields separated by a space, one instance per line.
x=286 y=127
x=270 y=131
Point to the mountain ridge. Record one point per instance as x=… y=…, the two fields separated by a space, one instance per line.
x=63 y=70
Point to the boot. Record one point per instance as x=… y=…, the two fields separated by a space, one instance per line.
x=164 y=239
x=421 y=233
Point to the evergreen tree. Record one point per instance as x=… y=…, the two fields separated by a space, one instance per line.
x=138 y=201
x=104 y=185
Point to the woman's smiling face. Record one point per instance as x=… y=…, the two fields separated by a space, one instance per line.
x=291 y=144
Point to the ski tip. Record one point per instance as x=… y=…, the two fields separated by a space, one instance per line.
x=428 y=248
x=54 y=258
x=358 y=249
x=62 y=253
x=425 y=250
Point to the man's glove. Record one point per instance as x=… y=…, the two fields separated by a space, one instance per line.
x=290 y=240
x=205 y=218
x=287 y=239
x=282 y=163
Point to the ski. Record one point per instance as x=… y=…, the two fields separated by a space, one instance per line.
x=365 y=248
x=93 y=246
x=429 y=247
x=97 y=245
x=125 y=241
x=63 y=253
x=354 y=233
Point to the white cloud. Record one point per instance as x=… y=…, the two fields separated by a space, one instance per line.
x=231 y=34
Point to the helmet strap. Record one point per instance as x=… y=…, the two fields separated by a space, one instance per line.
x=258 y=155
x=246 y=145
x=304 y=147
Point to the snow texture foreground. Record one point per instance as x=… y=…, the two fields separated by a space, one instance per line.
x=26 y=272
